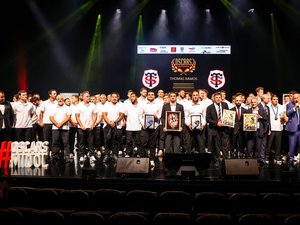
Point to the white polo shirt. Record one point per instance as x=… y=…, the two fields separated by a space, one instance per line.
x=23 y=114
x=86 y=113
x=132 y=112
x=60 y=113
x=46 y=108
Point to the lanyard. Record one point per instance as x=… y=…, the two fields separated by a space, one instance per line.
x=276 y=114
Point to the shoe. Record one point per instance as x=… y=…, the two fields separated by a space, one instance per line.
x=81 y=159
x=93 y=159
x=152 y=164
x=127 y=156
x=71 y=156
x=160 y=153
x=120 y=153
x=99 y=153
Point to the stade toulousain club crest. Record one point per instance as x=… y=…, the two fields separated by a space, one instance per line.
x=216 y=79
x=150 y=78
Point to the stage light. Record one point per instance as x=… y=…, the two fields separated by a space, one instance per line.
x=251 y=10
x=118 y=10
x=164 y=11
x=207 y=10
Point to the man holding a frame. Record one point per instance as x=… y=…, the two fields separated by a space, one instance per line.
x=149 y=118
x=195 y=120
x=172 y=118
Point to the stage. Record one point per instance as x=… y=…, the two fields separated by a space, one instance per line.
x=279 y=176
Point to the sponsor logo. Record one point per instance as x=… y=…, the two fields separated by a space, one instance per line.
x=173 y=49
x=192 y=49
x=181 y=49
x=183 y=65
x=153 y=49
x=150 y=78
x=216 y=79
x=205 y=52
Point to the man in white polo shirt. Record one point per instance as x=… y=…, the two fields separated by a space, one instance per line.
x=112 y=115
x=45 y=118
x=86 y=118
x=60 y=116
x=23 y=111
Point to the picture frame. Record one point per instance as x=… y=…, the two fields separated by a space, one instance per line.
x=229 y=118
x=173 y=120
x=196 y=121
x=149 y=121
x=250 y=122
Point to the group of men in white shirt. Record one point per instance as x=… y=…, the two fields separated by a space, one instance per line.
x=100 y=126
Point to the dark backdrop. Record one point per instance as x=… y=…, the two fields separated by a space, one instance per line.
x=45 y=43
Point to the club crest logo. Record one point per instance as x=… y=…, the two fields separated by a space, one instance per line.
x=216 y=79
x=183 y=65
x=150 y=78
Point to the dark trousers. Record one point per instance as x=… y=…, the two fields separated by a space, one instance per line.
x=60 y=142
x=274 y=143
x=173 y=142
x=198 y=140
x=218 y=142
x=99 y=137
x=5 y=135
x=132 y=140
x=162 y=136
x=185 y=139
x=47 y=134
x=148 y=141
x=112 y=136
x=294 y=140
x=256 y=145
x=72 y=137
x=237 y=142
x=85 y=142
x=23 y=134
x=37 y=133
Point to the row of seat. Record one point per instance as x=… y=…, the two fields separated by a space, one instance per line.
x=50 y=217
x=112 y=200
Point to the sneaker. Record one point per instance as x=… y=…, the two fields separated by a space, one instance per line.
x=120 y=153
x=81 y=159
x=99 y=153
x=152 y=164
x=93 y=159
x=160 y=153
x=127 y=156
x=71 y=156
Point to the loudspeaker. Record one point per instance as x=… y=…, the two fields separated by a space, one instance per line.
x=236 y=167
x=133 y=166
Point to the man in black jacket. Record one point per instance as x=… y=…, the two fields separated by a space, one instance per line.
x=6 y=118
x=218 y=134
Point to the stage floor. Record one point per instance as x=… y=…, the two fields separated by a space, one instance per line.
x=274 y=176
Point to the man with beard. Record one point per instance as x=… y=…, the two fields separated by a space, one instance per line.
x=236 y=133
x=6 y=118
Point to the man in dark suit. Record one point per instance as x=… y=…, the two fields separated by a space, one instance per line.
x=172 y=138
x=237 y=135
x=293 y=125
x=256 y=140
x=6 y=118
x=218 y=134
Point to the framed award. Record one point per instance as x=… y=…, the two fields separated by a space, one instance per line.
x=228 y=117
x=196 y=122
x=250 y=122
x=173 y=121
x=149 y=122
